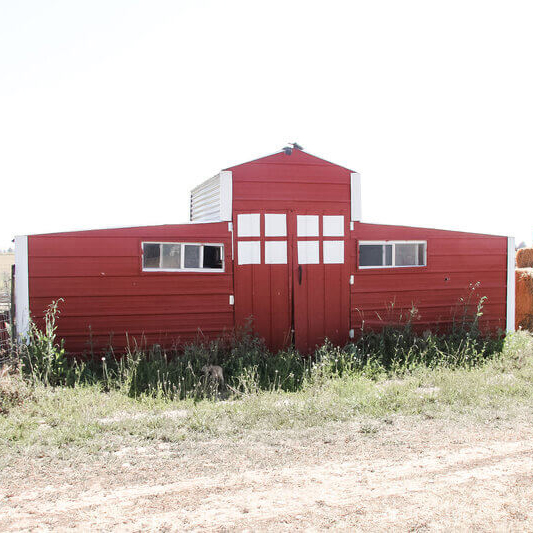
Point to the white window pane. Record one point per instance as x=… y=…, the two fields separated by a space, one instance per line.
x=171 y=256
x=275 y=225
x=248 y=225
x=387 y=250
x=333 y=226
x=151 y=253
x=249 y=252
x=308 y=253
x=276 y=252
x=422 y=254
x=406 y=254
x=191 y=256
x=333 y=252
x=307 y=225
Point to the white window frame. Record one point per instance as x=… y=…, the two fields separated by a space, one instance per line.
x=394 y=243
x=182 y=257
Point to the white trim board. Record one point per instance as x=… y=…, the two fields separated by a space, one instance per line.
x=511 y=304
x=226 y=194
x=22 y=294
x=355 y=196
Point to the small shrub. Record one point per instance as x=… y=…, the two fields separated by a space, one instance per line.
x=43 y=357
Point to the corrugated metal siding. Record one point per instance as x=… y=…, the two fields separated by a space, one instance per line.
x=106 y=294
x=205 y=201
x=456 y=263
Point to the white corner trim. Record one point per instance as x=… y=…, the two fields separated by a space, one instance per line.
x=226 y=194
x=511 y=254
x=355 y=193
x=22 y=294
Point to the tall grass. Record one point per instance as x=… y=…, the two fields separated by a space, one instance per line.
x=247 y=364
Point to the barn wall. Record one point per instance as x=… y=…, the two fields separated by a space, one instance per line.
x=299 y=182
x=106 y=294
x=458 y=265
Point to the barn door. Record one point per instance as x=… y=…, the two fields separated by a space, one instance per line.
x=262 y=275
x=320 y=279
x=291 y=277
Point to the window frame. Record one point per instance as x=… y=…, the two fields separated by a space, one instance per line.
x=393 y=243
x=182 y=257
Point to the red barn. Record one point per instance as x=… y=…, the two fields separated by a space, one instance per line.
x=278 y=240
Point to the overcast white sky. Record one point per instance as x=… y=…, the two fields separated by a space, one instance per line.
x=111 y=110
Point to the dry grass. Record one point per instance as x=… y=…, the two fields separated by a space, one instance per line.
x=13 y=389
x=443 y=449
x=524 y=258
x=524 y=298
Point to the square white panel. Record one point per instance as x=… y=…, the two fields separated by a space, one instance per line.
x=249 y=252
x=333 y=226
x=248 y=225
x=308 y=253
x=275 y=225
x=276 y=252
x=307 y=225
x=333 y=252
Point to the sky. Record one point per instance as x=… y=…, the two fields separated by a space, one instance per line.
x=111 y=110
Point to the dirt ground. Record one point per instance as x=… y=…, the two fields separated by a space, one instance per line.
x=400 y=474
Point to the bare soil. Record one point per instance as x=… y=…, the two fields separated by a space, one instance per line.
x=399 y=474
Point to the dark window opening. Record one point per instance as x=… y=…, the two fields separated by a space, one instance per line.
x=151 y=255
x=212 y=257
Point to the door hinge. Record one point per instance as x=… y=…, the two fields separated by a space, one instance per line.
x=231 y=299
x=351 y=279
x=351 y=334
x=230 y=226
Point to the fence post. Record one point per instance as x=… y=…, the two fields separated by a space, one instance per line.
x=13 y=310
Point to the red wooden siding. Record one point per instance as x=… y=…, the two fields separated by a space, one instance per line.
x=296 y=182
x=455 y=262
x=107 y=295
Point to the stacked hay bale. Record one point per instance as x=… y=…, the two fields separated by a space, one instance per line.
x=524 y=289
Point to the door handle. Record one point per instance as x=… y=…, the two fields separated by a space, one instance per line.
x=299 y=274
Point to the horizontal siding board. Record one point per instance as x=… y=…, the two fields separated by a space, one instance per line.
x=137 y=305
x=144 y=323
x=183 y=230
x=300 y=174
x=429 y=297
x=158 y=284
x=282 y=191
x=60 y=267
x=429 y=280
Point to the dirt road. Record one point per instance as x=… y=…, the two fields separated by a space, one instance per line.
x=401 y=474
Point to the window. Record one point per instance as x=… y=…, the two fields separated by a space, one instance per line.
x=387 y=254
x=185 y=257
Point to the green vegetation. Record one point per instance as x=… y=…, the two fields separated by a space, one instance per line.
x=100 y=417
x=53 y=400
x=247 y=364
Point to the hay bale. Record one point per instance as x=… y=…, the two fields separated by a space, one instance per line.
x=524 y=258
x=524 y=298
